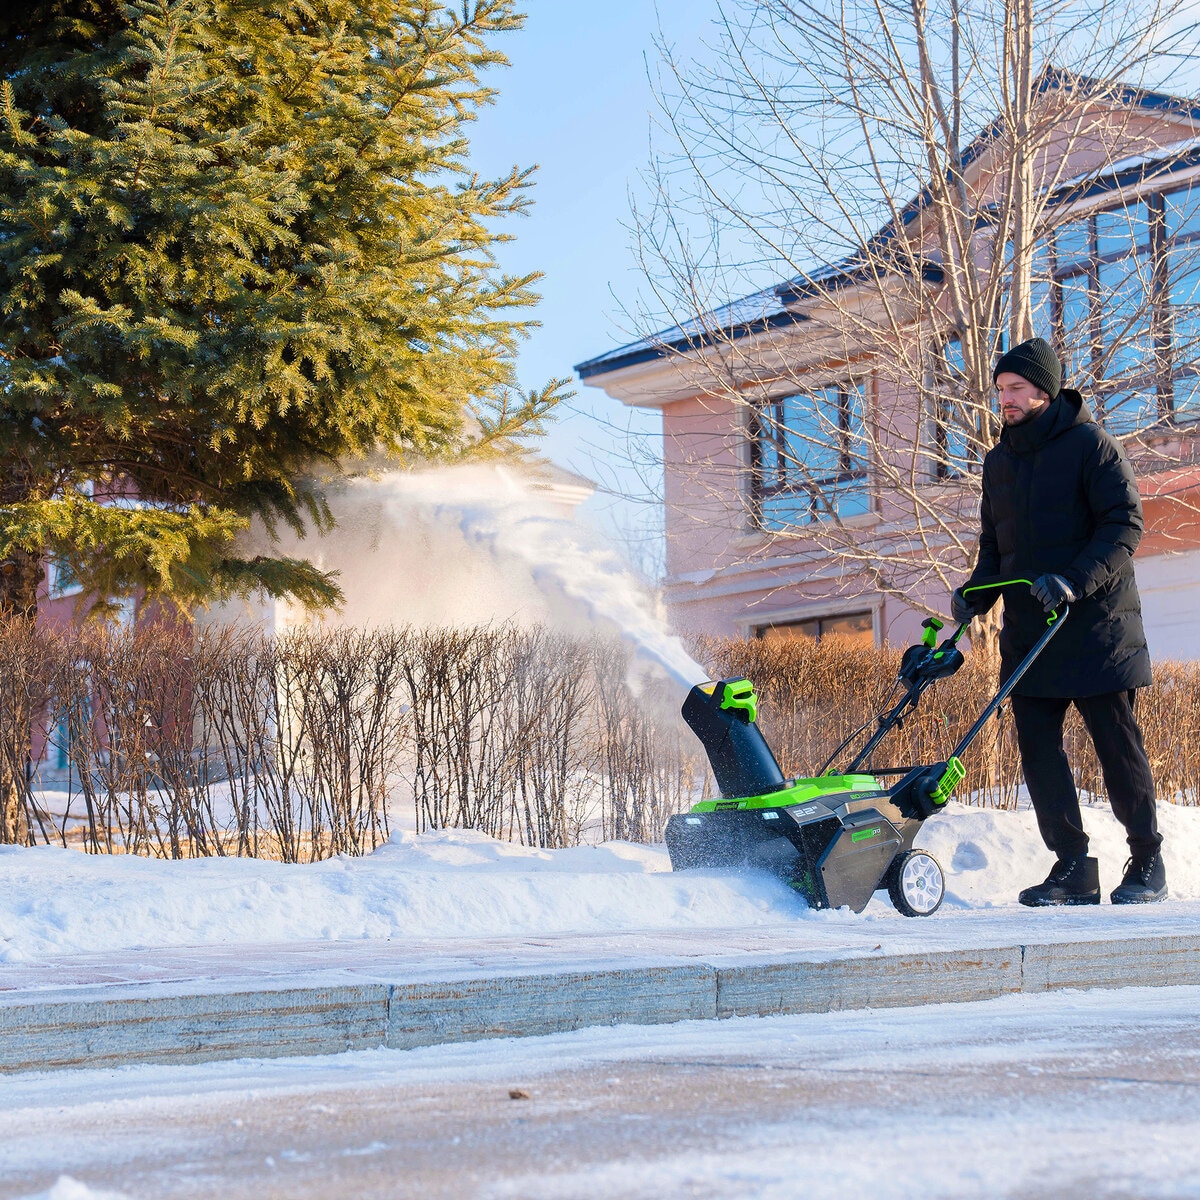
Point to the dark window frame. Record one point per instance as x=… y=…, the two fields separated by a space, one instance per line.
x=1166 y=367
x=767 y=426
x=761 y=631
x=944 y=470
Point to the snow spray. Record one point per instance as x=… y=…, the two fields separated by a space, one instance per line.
x=473 y=544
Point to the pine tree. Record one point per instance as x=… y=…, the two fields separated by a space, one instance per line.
x=239 y=246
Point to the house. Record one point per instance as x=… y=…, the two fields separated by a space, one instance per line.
x=401 y=553
x=813 y=488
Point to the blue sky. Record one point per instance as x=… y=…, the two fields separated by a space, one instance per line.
x=577 y=101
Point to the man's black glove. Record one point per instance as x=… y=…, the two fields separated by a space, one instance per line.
x=1051 y=591
x=961 y=609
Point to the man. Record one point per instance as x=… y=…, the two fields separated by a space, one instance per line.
x=1060 y=507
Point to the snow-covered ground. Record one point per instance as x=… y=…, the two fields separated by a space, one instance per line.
x=455 y=884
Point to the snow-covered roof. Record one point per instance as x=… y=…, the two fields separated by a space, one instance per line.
x=769 y=308
x=1161 y=156
x=760 y=310
x=558 y=483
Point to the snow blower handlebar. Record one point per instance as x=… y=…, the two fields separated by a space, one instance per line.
x=1053 y=625
x=933 y=790
x=921 y=666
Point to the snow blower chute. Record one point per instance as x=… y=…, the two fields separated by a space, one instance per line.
x=835 y=838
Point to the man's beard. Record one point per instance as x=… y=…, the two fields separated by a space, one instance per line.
x=1024 y=418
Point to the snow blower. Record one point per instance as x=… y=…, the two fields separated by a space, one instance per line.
x=835 y=838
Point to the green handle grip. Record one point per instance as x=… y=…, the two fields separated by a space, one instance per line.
x=983 y=587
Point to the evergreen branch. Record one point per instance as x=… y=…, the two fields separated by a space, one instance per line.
x=512 y=419
x=236 y=242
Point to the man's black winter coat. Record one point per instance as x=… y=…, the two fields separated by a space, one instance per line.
x=1059 y=495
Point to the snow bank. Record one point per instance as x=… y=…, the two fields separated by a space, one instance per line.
x=989 y=855
x=452 y=883
x=459 y=884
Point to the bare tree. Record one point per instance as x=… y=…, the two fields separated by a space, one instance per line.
x=924 y=173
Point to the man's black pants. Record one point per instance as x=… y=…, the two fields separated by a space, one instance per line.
x=1118 y=740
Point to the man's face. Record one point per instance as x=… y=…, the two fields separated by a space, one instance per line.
x=1019 y=400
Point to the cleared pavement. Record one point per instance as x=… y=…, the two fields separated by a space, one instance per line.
x=191 y=1004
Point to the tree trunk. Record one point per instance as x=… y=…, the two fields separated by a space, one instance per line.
x=20 y=576
x=1023 y=189
x=13 y=815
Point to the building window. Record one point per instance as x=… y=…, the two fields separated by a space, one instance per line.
x=1126 y=290
x=808 y=457
x=858 y=627
x=60 y=579
x=1181 y=275
x=60 y=743
x=69 y=723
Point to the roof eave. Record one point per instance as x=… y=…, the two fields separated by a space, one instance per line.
x=605 y=365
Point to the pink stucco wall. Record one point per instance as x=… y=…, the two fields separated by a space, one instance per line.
x=724 y=577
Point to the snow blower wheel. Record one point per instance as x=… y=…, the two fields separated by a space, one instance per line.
x=836 y=839
x=916 y=884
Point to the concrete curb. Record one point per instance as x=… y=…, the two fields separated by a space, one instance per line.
x=110 y=1025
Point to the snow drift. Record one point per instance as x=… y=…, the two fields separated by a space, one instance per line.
x=458 y=884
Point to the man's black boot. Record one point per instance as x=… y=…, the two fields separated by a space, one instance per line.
x=1071 y=881
x=1145 y=881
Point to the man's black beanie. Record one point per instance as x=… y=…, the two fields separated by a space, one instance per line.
x=1035 y=361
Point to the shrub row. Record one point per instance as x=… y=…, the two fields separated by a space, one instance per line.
x=224 y=741
x=815 y=695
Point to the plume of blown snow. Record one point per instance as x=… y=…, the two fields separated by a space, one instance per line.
x=479 y=544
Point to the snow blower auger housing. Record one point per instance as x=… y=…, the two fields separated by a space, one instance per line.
x=835 y=838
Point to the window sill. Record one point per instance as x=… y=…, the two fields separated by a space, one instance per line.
x=759 y=537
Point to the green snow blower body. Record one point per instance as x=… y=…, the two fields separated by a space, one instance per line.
x=835 y=838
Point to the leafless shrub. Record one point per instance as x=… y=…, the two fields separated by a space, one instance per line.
x=497 y=736
x=121 y=695
x=29 y=664
x=1169 y=714
x=458 y=686
x=233 y=784
x=224 y=741
x=553 y=692
x=650 y=764
x=340 y=700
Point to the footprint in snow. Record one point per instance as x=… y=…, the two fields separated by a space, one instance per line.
x=968 y=857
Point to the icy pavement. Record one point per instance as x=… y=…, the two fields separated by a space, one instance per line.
x=1075 y=1095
